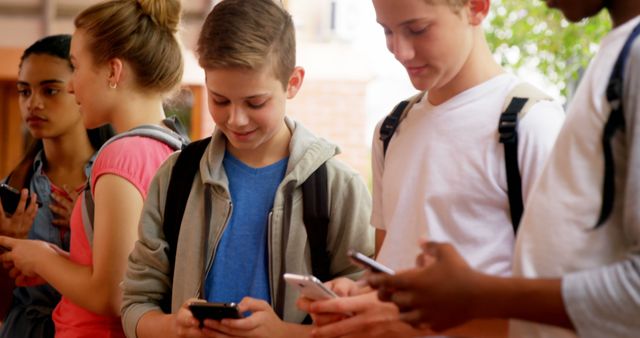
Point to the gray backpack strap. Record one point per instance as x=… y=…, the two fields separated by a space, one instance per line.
x=174 y=139
x=87 y=213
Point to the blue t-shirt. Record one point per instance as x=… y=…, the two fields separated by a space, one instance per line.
x=240 y=266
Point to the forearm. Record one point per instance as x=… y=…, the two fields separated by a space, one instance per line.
x=154 y=324
x=494 y=328
x=79 y=284
x=536 y=300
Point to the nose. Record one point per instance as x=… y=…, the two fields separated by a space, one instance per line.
x=237 y=116
x=400 y=47
x=34 y=101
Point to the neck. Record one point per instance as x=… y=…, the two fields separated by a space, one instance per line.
x=479 y=67
x=623 y=11
x=67 y=155
x=136 y=110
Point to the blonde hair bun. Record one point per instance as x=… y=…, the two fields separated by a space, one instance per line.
x=165 y=13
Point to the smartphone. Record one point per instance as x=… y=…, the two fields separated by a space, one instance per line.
x=309 y=286
x=10 y=198
x=368 y=263
x=217 y=311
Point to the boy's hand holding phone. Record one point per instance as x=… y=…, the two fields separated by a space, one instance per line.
x=263 y=322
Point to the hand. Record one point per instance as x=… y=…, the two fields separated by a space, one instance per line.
x=343 y=287
x=370 y=318
x=24 y=255
x=62 y=206
x=185 y=325
x=19 y=224
x=263 y=322
x=440 y=293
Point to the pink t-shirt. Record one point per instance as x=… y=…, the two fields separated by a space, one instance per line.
x=135 y=159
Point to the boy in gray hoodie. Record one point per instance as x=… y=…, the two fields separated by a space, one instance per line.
x=243 y=223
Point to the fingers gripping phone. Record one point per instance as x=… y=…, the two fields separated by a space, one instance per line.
x=368 y=263
x=309 y=286
x=10 y=198
x=216 y=311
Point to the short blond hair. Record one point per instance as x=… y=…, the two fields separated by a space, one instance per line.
x=248 y=34
x=454 y=4
x=142 y=32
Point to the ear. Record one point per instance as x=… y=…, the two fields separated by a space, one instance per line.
x=295 y=82
x=116 y=71
x=478 y=11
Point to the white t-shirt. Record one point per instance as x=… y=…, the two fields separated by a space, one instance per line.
x=444 y=176
x=556 y=236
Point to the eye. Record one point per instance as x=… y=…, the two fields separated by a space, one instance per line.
x=51 y=91
x=219 y=102
x=24 y=92
x=417 y=30
x=255 y=104
x=387 y=31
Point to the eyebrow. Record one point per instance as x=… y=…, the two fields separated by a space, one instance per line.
x=245 y=98
x=43 y=82
x=404 y=23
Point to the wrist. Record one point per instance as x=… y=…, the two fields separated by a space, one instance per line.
x=486 y=294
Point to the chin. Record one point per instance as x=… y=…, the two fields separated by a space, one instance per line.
x=421 y=84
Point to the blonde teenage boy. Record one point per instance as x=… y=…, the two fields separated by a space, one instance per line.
x=443 y=176
x=243 y=223
x=577 y=269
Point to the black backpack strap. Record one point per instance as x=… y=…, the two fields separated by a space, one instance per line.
x=518 y=102
x=614 y=122
x=315 y=199
x=182 y=176
x=316 y=221
x=392 y=121
x=390 y=124
x=508 y=129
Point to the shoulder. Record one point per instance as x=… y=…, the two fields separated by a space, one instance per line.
x=134 y=150
x=341 y=175
x=543 y=114
x=134 y=158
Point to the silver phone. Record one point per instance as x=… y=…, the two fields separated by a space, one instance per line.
x=368 y=263
x=309 y=286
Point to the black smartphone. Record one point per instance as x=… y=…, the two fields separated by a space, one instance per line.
x=365 y=262
x=10 y=198
x=217 y=311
